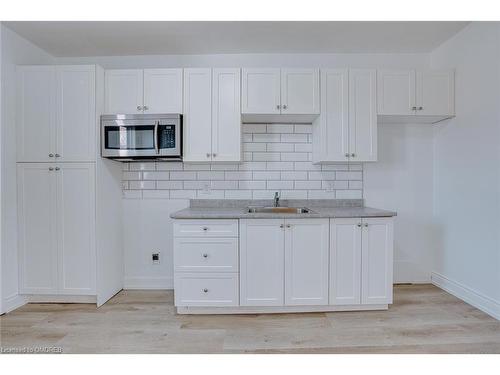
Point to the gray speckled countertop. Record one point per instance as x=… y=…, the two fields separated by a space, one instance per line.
x=236 y=209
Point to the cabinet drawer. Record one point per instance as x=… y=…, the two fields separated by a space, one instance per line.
x=206 y=289
x=206 y=254
x=206 y=228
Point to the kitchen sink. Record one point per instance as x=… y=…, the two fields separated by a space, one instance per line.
x=278 y=210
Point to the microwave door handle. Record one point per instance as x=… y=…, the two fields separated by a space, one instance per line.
x=156 y=137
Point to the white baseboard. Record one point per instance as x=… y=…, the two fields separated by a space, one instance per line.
x=13 y=302
x=60 y=298
x=483 y=303
x=148 y=283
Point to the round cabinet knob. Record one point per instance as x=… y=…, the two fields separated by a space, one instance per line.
x=288 y=226
x=208 y=155
x=214 y=155
x=145 y=107
x=420 y=108
x=205 y=255
x=353 y=155
x=205 y=290
x=139 y=108
x=205 y=228
x=278 y=106
x=413 y=108
x=282 y=226
x=51 y=155
x=57 y=168
x=366 y=225
x=346 y=154
x=359 y=225
x=58 y=156
x=285 y=106
x=51 y=169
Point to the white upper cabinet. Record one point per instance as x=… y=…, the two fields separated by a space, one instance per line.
x=346 y=129
x=76 y=228
x=300 y=91
x=36 y=113
x=162 y=91
x=123 y=91
x=377 y=261
x=396 y=92
x=306 y=262
x=420 y=96
x=56 y=115
x=76 y=116
x=362 y=115
x=261 y=91
x=197 y=120
x=226 y=115
x=212 y=115
x=345 y=261
x=435 y=92
x=37 y=237
x=262 y=262
x=130 y=91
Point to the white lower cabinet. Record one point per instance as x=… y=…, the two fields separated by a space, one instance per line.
x=282 y=265
x=56 y=206
x=262 y=250
x=361 y=261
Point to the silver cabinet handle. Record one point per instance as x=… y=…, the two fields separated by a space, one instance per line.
x=353 y=155
x=413 y=108
x=57 y=168
x=359 y=225
x=214 y=155
x=288 y=226
x=51 y=169
x=278 y=106
x=157 y=150
x=205 y=228
x=208 y=155
x=205 y=290
x=205 y=255
x=346 y=154
x=51 y=155
x=139 y=108
x=282 y=226
x=285 y=106
x=420 y=108
x=366 y=225
x=145 y=108
x=57 y=156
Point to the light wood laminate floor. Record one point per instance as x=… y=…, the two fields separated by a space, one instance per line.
x=423 y=319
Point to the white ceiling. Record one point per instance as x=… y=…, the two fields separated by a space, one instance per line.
x=73 y=39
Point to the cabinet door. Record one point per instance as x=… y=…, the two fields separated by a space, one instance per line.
x=362 y=115
x=76 y=228
x=260 y=91
x=162 y=90
x=76 y=117
x=435 y=92
x=300 y=91
x=261 y=262
x=197 y=115
x=36 y=116
x=306 y=262
x=331 y=129
x=345 y=261
x=123 y=91
x=377 y=261
x=396 y=92
x=36 y=193
x=226 y=115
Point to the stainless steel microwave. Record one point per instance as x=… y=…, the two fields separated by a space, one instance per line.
x=137 y=137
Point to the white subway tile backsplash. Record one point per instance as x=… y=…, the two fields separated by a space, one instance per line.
x=155 y=175
x=276 y=157
x=266 y=156
x=183 y=175
x=278 y=185
x=212 y=175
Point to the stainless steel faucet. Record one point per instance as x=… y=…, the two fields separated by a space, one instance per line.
x=276 y=199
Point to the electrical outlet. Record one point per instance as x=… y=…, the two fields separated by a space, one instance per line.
x=155 y=257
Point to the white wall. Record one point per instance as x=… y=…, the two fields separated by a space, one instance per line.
x=467 y=170
x=15 y=50
x=401 y=180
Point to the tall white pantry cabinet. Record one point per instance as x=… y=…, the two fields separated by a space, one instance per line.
x=69 y=209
